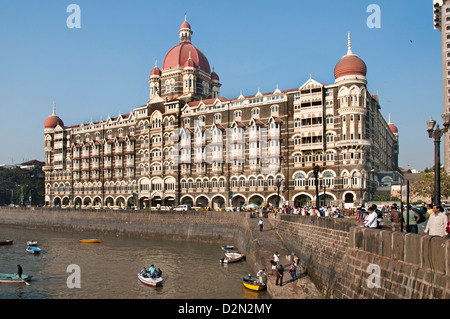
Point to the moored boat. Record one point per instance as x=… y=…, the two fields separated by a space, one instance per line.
x=90 y=241
x=6 y=278
x=33 y=250
x=150 y=281
x=232 y=257
x=6 y=242
x=228 y=248
x=32 y=243
x=253 y=284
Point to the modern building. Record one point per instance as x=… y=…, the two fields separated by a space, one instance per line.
x=442 y=22
x=189 y=145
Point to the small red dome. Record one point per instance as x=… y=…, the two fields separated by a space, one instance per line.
x=214 y=76
x=185 y=25
x=53 y=121
x=155 y=71
x=179 y=55
x=393 y=128
x=350 y=65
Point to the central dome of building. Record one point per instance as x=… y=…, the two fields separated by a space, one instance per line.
x=184 y=51
x=180 y=54
x=350 y=64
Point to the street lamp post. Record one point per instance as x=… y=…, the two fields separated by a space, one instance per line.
x=436 y=134
x=279 y=182
x=316 y=175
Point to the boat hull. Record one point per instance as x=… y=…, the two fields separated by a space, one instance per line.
x=32 y=243
x=33 y=250
x=90 y=241
x=13 y=278
x=253 y=284
x=6 y=242
x=151 y=281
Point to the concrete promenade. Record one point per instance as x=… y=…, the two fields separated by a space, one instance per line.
x=269 y=243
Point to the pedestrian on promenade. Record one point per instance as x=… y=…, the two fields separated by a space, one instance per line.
x=276 y=258
x=413 y=219
x=261 y=224
x=396 y=218
x=274 y=267
x=437 y=223
x=280 y=271
x=370 y=220
x=293 y=271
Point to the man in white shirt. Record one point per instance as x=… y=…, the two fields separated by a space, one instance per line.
x=437 y=222
x=371 y=220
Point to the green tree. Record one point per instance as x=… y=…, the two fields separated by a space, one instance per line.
x=424 y=186
x=13 y=181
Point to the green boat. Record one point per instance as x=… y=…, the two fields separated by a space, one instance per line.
x=5 y=278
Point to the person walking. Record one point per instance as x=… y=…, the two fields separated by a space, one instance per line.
x=437 y=223
x=413 y=219
x=280 y=271
x=396 y=218
x=276 y=258
x=261 y=224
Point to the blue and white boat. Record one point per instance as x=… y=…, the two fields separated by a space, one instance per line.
x=33 y=250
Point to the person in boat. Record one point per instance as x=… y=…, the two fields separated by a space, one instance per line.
x=159 y=273
x=19 y=271
x=144 y=272
x=152 y=271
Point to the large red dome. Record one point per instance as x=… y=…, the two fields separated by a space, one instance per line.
x=350 y=65
x=53 y=121
x=179 y=54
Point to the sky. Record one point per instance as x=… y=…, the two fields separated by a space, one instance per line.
x=101 y=69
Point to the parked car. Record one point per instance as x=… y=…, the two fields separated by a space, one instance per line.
x=183 y=208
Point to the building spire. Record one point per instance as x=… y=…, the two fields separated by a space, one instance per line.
x=54 y=109
x=349 y=45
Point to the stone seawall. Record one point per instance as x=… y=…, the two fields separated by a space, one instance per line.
x=348 y=261
x=193 y=226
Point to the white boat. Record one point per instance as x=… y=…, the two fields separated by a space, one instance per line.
x=32 y=243
x=150 y=281
x=231 y=257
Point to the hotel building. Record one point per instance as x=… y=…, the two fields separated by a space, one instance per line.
x=189 y=145
x=442 y=22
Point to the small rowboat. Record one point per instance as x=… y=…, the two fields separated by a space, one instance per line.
x=34 y=250
x=6 y=278
x=228 y=248
x=232 y=257
x=150 y=281
x=6 y=242
x=32 y=243
x=253 y=284
x=90 y=241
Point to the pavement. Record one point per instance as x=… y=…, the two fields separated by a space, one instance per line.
x=270 y=242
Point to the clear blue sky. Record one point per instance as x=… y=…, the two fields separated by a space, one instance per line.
x=102 y=68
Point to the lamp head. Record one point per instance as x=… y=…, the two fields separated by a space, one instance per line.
x=430 y=125
x=446 y=119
